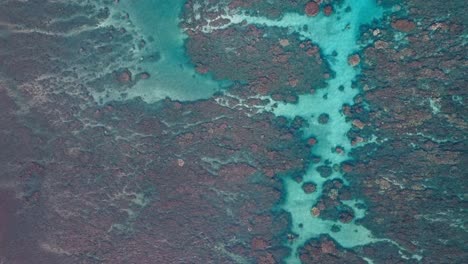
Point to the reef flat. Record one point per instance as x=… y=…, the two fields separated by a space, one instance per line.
x=232 y=131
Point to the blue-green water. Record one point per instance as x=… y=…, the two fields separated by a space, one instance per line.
x=337 y=37
x=172 y=75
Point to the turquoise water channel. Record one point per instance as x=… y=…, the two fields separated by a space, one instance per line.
x=172 y=75
x=337 y=37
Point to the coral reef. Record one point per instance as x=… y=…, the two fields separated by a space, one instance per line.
x=96 y=171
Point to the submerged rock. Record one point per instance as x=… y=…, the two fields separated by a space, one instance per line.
x=403 y=25
x=358 y=123
x=309 y=187
x=323 y=118
x=325 y=171
x=328 y=10
x=312 y=141
x=124 y=76
x=354 y=60
x=312 y=8
x=144 y=75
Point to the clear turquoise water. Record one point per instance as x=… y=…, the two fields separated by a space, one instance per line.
x=172 y=76
x=335 y=34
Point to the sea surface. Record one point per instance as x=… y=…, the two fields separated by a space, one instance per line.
x=118 y=146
